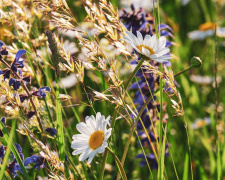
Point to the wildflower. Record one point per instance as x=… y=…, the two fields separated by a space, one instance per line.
x=199 y=123
x=38 y=160
x=149 y=46
x=205 y=30
x=3 y=50
x=17 y=63
x=14 y=167
x=93 y=137
x=41 y=92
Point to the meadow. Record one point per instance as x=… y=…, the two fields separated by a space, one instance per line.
x=117 y=89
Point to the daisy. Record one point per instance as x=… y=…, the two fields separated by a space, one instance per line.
x=93 y=137
x=149 y=46
x=205 y=30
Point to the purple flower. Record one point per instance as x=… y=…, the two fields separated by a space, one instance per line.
x=15 y=83
x=38 y=160
x=3 y=50
x=17 y=63
x=14 y=167
x=41 y=92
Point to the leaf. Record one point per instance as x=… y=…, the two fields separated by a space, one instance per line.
x=60 y=134
x=14 y=150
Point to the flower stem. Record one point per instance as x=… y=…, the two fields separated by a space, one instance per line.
x=161 y=155
x=183 y=71
x=133 y=73
x=101 y=175
x=131 y=133
x=119 y=164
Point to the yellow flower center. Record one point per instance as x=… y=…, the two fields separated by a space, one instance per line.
x=96 y=139
x=207 y=26
x=146 y=47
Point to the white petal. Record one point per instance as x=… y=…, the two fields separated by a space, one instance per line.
x=162 y=52
x=85 y=154
x=77 y=137
x=108 y=133
x=108 y=120
x=79 y=145
x=78 y=151
x=82 y=128
x=91 y=124
x=161 y=43
x=91 y=156
x=145 y=51
x=139 y=36
x=98 y=116
x=147 y=40
x=102 y=148
x=153 y=41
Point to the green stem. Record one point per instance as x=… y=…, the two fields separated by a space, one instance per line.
x=119 y=164
x=160 y=128
x=101 y=175
x=132 y=131
x=133 y=73
x=183 y=71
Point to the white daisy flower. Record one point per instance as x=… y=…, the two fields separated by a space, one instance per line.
x=206 y=30
x=93 y=137
x=150 y=46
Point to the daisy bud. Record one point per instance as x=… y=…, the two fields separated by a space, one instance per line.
x=196 y=62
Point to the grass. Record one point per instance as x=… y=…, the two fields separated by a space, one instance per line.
x=195 y=153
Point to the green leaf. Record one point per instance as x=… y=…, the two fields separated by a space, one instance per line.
x=186 y=167
x=60 y=134
x=11 y=146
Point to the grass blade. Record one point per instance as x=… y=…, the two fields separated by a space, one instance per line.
x=60 y=134
x=9 y=146
x=14 y=150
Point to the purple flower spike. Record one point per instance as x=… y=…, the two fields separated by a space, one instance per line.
x=1 y=44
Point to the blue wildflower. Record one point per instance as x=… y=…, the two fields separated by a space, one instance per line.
x=37 y=160
x=14 y=167
x=17 y=63
x=41 y=92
